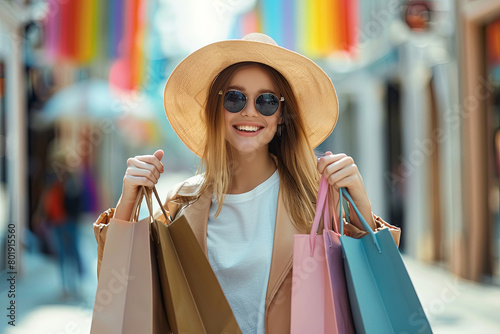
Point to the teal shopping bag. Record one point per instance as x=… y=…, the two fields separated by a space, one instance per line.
x=383 y=299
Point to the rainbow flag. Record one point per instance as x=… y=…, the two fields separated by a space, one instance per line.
x=72 y=35
x=115 y=21
x=69 y=28
x=350 y=14
x=87 y=31
x=316 y=28
x=51 y=24
x=272 y=19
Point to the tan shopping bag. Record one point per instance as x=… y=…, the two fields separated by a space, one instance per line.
x=193 y=297
x=128 y=298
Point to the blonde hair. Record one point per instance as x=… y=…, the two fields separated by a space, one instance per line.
x=295 y=159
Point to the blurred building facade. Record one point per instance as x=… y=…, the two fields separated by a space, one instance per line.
x=479 y=241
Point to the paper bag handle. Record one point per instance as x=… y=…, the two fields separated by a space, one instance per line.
x=161 y=204
x=134 y=215
x=321 y=207
x=137 y=204
x=343 y=192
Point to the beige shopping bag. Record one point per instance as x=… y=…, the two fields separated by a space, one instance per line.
x=193 y=297
x=128 y=298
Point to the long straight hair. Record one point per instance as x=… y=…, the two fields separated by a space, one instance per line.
x=295 y=158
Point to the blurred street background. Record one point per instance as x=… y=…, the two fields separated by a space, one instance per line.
x=81 y=86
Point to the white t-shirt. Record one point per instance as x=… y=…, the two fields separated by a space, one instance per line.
x=239 y=245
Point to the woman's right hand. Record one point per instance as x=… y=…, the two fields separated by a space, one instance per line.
x=142 y=170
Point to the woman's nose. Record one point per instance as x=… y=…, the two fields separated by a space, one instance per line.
x=249 y=109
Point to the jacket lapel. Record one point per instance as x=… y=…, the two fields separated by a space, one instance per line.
x=281 y=262
x=197 y=217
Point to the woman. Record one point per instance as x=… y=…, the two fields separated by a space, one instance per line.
x=253 y=112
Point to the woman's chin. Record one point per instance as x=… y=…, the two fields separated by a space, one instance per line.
x=247 y=147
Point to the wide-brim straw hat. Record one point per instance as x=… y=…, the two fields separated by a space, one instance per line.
x=186 y=90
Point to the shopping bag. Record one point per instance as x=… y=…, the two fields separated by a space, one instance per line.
x=319 y=296
x=127 y=297
x=382 y=297
x=335 y=270
x=193 y=297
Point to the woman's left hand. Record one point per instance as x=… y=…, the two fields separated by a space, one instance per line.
x=340 y=171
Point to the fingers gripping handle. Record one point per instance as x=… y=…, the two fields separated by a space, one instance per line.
x=343 y=192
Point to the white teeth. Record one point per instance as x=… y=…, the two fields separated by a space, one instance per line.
x=247 y=128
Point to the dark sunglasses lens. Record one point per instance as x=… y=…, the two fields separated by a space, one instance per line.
x=267 y=104
x=234 y=101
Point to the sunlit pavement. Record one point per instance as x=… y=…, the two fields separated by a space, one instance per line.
x=41 y=305
x=452 y=305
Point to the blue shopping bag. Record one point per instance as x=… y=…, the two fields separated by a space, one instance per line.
x=382 y=297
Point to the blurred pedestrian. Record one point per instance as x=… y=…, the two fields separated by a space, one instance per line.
x=62 y=210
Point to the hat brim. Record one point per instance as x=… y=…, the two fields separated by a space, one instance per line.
x=187 y=88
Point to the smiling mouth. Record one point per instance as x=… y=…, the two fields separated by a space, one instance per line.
x=247 y=128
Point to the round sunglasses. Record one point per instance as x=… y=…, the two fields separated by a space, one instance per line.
x=267 y=103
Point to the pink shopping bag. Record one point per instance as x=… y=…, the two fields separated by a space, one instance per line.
x=320 y=303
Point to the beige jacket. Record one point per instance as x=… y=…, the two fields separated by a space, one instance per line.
x=278 y=298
